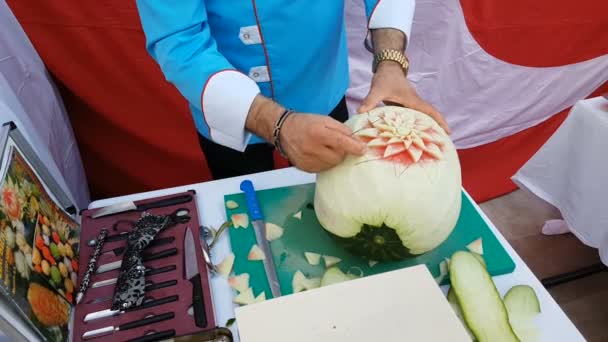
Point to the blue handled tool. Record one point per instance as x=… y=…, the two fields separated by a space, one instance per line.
x=259 y=226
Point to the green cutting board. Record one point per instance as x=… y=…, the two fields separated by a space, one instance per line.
x=307 y=235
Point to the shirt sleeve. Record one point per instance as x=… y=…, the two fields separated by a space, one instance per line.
x=179 y=39
x=397 y=14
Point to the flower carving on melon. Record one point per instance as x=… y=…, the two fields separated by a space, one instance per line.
x=405 y=137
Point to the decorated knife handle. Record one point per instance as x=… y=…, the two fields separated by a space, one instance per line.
x=252 y=200
x=84 y=285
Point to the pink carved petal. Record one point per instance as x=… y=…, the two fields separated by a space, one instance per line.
x=407 y=143
x=437 y=138
x=368 y=132
x=376 y=142
x=392 y=150
x=394 y=140
x=417 y=141
x=433 y=150
x=415 y=153
x=426 y=137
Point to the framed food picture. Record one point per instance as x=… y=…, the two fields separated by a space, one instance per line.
x=39 y=243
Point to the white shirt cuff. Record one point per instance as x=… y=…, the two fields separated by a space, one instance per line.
x=225 y=102
x=397 y=14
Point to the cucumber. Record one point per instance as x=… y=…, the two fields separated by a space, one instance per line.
x=482 y=307
x=456 y=307
x=480 y=259
x=521 y=300
x=522 y=306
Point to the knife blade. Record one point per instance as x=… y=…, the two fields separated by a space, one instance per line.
x=150 y=286
x=116 y=264
x=126 y=326
x=192 y=274
x=259 y=227
x=131 y=206
x=146 y=304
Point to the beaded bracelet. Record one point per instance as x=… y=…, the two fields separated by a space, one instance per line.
x=277 y=131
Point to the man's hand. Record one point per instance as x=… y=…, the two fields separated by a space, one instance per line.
x=390 y=85
x=313 y=143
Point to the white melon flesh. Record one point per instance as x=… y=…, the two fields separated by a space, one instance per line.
x=225 y=267
x=301 y=283
x=312 y=258
x=298 y=215
x=298 y=282
x=443 y=271
x=273 y=231
x=331 y=260
x=261 y=297
x=244 y=298
x=255 y=253
x=476 y=246
x=240 y=220
x=240 y=282
x=230 y=204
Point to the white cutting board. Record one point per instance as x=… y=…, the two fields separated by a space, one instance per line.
x=401 y=305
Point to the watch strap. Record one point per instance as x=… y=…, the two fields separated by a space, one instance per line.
x=391 y=55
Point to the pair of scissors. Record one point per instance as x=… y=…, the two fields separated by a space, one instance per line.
x=180 y=215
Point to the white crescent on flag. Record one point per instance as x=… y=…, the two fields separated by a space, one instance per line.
x=483 y=98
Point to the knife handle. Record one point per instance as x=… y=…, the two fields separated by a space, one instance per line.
x=156 y=286
x=157 y=336
x=146 y=321
x=154 y=302
x=159 y=255
x=159 y=270
x=252 y=200
x=200 y=317
x=165 y=202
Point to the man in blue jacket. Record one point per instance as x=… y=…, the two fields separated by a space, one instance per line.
x=243 y=65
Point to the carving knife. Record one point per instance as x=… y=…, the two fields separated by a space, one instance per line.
x=146 y=304
x=131 y=206
x=126 y=326
x=259 y=226
x=151 y=286
x=116 y=264
x=148 y=272
x=192 y=274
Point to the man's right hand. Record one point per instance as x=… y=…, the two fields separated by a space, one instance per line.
x=312 y=142
x=315 y=143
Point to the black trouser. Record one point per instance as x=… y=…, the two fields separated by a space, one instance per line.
x=225 y=162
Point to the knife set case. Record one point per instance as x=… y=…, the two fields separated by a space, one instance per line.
x=171 y=315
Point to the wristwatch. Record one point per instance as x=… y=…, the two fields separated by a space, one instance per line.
x=391 y=55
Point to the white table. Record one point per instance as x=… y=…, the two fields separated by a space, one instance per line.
x=554 y=324
x=570 y=172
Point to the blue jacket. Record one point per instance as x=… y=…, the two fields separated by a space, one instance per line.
x=220 y=54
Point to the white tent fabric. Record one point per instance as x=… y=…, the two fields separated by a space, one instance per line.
x=29 y=98
x=483 y=98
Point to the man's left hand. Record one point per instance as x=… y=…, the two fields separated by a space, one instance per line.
x=389 y=85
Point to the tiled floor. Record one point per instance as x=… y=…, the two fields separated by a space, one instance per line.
x=520 y=217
